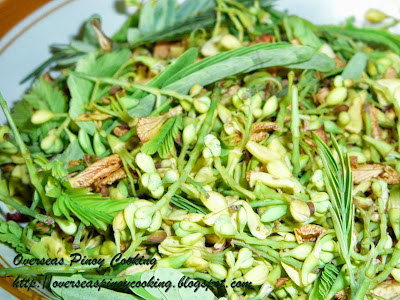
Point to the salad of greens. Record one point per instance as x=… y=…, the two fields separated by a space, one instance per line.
x=218 y=141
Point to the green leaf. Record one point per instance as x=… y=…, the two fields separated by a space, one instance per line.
x=91 y=209
x=355 y=67
x=371 y=35
x=81 y=89
x=323 y=284
x=188 y=205
x=174 y=293
x=42 y=95
x=84 y=293
x=73 y=152
x=11 y=233
x=304 y=31
x=165 y=138
x=339 y=182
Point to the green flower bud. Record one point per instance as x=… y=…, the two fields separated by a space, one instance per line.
x=375 y=15
x=119 y=223
x=338 y=81
x=171 y=176
x=217 y=271
x=48 y=142
x=195 y=90
x=145 y=163
x=300 y=210
x=274 y=212
x=344 y=118
x=262 y=153
x=257 y=275
x=214 y=202
x=326 y=49
x=383 y=148
x=155 y=222
x=224 y=227
x=42 y=116
x=336 y=96
x=174 y=262
x=326 y=257
x=108 y=248
x=189 y=134
x=213 y=144
x=270 y=106
x=66 y=226
x=197 y=263
x=202 y=104
x=230 y=42
x=209 y=49
x=395 y=274
x=191 y=239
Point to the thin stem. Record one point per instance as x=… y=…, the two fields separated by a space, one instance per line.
x=295 y=131
x=27 y=211
x=230 y=181
x=78 y=236
x=26 y=155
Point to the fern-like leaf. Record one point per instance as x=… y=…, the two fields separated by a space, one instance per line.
x=164 y=141
x=339 y=183
x=11 y=233
x=324 y=283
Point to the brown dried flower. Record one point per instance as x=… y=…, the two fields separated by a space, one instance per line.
x=98 y=170
x=308 y=233
x=367 y=172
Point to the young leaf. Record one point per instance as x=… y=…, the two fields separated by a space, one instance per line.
x=91 y=209
x=355 y=66
x=81 y=89
x=165 y=138
x=188 y=205
x=11 y=233
x=371 y=35
x=323 y=284
x=339 y=182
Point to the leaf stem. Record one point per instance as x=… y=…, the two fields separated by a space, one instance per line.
x=295 y=131
x=27 y=211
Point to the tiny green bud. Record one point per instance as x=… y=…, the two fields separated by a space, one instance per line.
x=108 y=248
x=42 y=116
x=274 y=212
x=230 y=42
x=336 y=96
x=217 y=271
x=48 y=142
x=189 y=134
x=375 y=15
x=338 y=81
x=344 y=118
x=300 y=210
x=257 y=275
x=223 y=227
x=66 y=226
x=145 y=163
x=270 y=106
x=202 y=104
x=213 y=144
x=195 y=90
x=171 y=176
